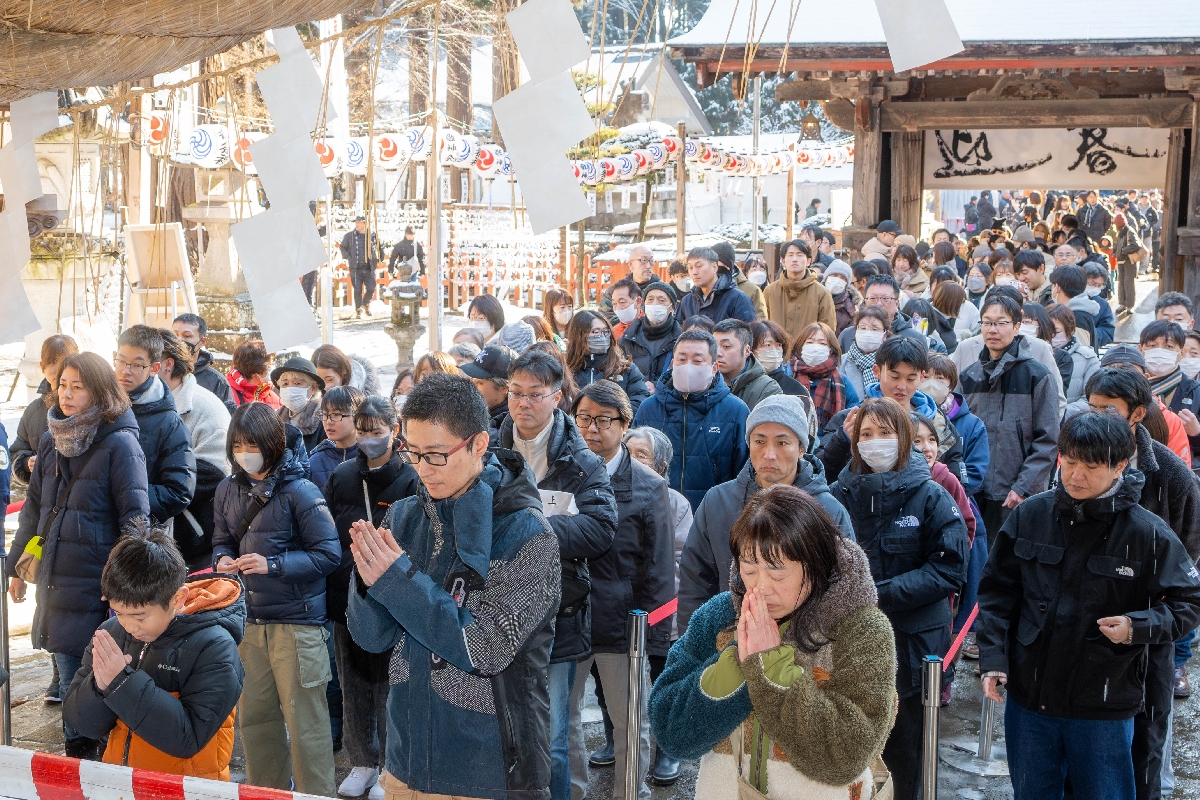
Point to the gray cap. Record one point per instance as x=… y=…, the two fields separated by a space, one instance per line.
x=785 y=409
x=839 y=267
x=1123 y=354
x=517 y=335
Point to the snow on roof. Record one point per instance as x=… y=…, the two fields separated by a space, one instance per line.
x=856 y=22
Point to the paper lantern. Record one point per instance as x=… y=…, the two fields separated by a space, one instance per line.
x=658 y=152
x=827 y=158
x=210 y=146
x=627 y=166
x=786 y=160
x=506 y=167
x=332 y=154
x=745 y=165
x=804 y=159
x=468 y=151
x=694 y=151
x=608 y=170
x=448 y=142
x=420 y=142
x=488 y=161
x=157 y=133
x=241 y=157
x=645 y=161
x=673 y=146
x=391 y=151
x=589 y=172
x=356 y=155
x=839 y=156
x=849 y=152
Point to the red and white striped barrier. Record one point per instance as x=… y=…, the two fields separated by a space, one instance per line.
x=30 y=775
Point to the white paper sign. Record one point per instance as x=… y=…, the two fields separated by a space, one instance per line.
x=641 y=190
x=608 y=200
x=1071 y=158
x=463 y=185
x=549 y=37
x=591 y=199
x=625 y=198
x=444 y=184
x=554 y=503
x=918 y=32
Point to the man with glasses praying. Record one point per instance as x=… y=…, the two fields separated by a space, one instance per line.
x=464 y=595
x=580 y=507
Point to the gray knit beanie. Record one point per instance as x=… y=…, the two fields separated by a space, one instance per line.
x=785 y=409
x=517 y=335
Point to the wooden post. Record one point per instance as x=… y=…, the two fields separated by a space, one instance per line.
x=868 y=153
x=908 y=150
x=681 y=195
x=1170 y=272
x=791 y=196
x=1191 y=262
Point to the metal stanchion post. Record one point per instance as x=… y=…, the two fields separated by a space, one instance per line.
x=931 y=698
x=633 y=722
x=5 y=700
x=985 y=729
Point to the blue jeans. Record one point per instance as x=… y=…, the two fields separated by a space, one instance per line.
x=68 y=665
x=561 y=678
x=1183 y=648
x=1043 y=749
x=977 y=559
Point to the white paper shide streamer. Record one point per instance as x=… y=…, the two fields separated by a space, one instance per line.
x=918 y=32
x=279 y=246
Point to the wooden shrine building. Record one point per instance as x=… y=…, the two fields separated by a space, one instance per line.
x=1104 y=73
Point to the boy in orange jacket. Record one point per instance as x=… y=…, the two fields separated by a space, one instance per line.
x=162 y=678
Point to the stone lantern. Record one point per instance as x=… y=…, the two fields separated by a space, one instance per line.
x=405 y=328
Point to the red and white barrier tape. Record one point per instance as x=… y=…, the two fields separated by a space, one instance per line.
x=31 y=775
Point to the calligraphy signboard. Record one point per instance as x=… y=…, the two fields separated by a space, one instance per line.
x=1071 y=158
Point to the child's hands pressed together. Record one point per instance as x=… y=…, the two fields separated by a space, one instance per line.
x=107 y=659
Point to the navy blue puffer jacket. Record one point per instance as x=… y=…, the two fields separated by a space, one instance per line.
x=109 y=498
x=706 y=429
x=294 y=531
x=170 y=462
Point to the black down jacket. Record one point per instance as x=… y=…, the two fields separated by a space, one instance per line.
x=210 y=378
x=350 y=489
x=195 y=658
x=651 y=347
x=638 y=571
x=170 y=462
x=631 y=380
x=1057 y=567
x=916 y=542
x=29 y=433
x=108 y=499
x=575 y=469
x=294 y=531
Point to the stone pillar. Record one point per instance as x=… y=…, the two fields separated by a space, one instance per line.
x=405 y=327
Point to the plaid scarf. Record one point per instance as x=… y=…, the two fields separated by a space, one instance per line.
x=825 y=385
x=1162 y=387
x=865 y=363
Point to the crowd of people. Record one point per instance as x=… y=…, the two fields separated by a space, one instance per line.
x=814 y=471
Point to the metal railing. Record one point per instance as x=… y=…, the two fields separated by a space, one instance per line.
x=5 y=691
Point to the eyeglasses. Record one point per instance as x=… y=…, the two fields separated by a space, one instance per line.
x=517 y=397
x=996 y=325
x=584 y=421
x=121 y=365
x=432 y=459
x=877 y=299
x=334 y=417
x=645 y=260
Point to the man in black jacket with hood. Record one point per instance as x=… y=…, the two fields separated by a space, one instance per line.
x=1080 y=581
x=192 y=329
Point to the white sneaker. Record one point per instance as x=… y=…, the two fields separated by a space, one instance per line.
x=376 y=792
x=358 y=781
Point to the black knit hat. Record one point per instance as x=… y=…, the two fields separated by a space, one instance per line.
x=662 y=287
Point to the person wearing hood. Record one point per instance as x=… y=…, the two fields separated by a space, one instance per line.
x=1081 y=580
x=461 y=586
x=783 y=686
x=798 y=298
x=907 y=270
x=706 y=424
x=1014 y=396
x=33 y=425
x=883 y=241
x=778 y=440
x=274 y=530
x=747 y=379
x=88 y=488
x=900 y=367
x=751 y=288
x=916 y=542
x=714 y=293
x=364 y=487
x=300 y=390
x=650 y=339
x=341 y=443
x=207 y=421
x=170 y=461
x=1068 y=287
x=839 y=280
x=170 y=708
x=193 y=329
x=593 y=354
x=1076 y=362
x=987 y=211
x=338 y=369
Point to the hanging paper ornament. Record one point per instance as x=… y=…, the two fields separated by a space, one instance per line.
x=587 y=172
x=356 y=155
x=210 y=146
x=627 y=166
x=645 y=161
x=241 y=157
x=391 y=151
x=332 y=154
x=608 y=170
x=673 y=145
x=468 y=151
x=658 y=152
x=487 y=163
x=420 y=142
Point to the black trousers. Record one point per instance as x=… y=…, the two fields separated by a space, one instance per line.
x=1150 y=726
x=362 y=279
x=902 y=752
x=994 y=515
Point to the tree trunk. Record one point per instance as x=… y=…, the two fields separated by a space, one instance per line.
x=419 y=34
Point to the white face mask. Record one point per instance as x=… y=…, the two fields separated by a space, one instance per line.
x=690 y=378
x=770 y=357
x=1059 y=340
x=1190 y=367
x=294 y=397
x=251 y=462
x=757 y=276
x=656 y=314
x=814 y=354
x=563 y=315
x=1093 y=291
x=1005 y=280
x=868 y=341
x=484 y=327
x=627 y=314
x=1028 y=329
x=1160 y=361
x=835 y=284
x=879 y=454
x=937 y=389
x=686 y=284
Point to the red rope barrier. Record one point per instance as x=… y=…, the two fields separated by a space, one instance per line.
x=962 y=635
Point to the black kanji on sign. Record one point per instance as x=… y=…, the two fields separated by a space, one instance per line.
x=958 y=162
x=1096 y=152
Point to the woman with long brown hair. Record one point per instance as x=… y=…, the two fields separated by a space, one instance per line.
x=88 y=488
x=593 y=354
x=557 y=310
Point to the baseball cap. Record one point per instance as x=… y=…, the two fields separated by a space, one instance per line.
x=1123 y=354
x=493 y=361
x=888 y=226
